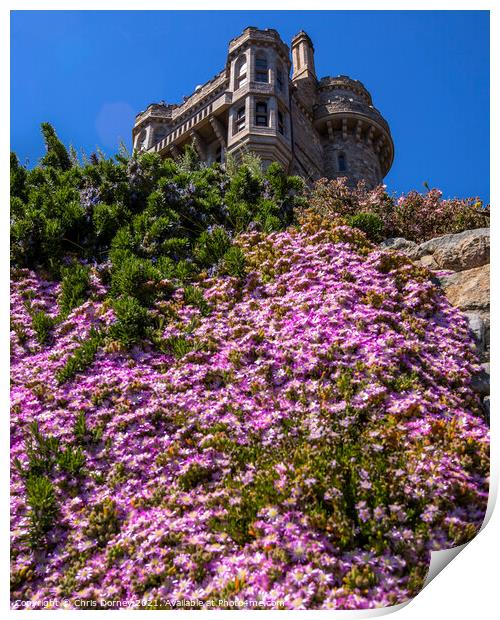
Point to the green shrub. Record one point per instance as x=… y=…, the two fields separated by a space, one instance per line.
x=83 y=434
x=134 y=277
x=234 y=262
x=82 y=357
x=74 y=287
x=270 y=223
x=370 y=224
x=246 y=183
x=139 y=210
x=193 y=296
x=179 y=346
x=184 y=271
x=71 y=460
x=41 y=452
x=211 y=246
x=18 y=177
x=43 y=325
x=195 y=475
x=132 y=320
x=43 y=509
x=143 y=220
x=106 y=220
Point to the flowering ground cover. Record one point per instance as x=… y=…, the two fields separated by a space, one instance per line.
x=304 y=437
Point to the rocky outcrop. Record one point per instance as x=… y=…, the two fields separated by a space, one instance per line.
x=468 y=290
x=458 y=252
x=461 y=262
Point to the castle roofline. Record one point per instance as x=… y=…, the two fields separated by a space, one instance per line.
x=254 y=30
x=164 y=109
x=345 y=82
x=264 y=36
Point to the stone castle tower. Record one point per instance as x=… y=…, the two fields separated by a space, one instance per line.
x=314 y=128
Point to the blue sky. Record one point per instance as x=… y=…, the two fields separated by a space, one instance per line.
x=90 y=72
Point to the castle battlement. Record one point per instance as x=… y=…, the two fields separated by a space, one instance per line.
x=327 y=127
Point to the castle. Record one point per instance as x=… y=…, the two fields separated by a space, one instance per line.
x=314 y=128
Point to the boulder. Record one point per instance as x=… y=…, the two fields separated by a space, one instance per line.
x=429 y=262
x=399 y=244
x=481 y=381
x=477 y=327
x=460 y=252
x=486 y=408
x=469 y=290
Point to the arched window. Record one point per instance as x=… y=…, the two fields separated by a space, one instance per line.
x=261 y=114
x=281 y=123
x=239 y=123
x=279 y=79
x=341 y=163
x=261 y=68
x=241 y=72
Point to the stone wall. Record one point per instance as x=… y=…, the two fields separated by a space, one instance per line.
x=307 y=151
x=362 y=162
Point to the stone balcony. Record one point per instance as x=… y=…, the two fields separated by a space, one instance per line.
x=195 y=122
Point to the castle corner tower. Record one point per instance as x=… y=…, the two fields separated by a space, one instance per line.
x=356 y=139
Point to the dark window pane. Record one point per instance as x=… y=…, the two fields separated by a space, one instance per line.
x=281 y=125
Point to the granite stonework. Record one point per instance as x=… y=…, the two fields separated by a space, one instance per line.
x=314 y=128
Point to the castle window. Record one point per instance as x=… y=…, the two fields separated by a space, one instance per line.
x=281 y=123
x=239 y=124
x=261 y=114
x=261 y=69
x=279 y=79
x=140 y=143
x=341 y=163
x=241 y=72
x=159 y=134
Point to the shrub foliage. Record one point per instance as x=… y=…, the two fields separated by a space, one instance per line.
x=414 y=216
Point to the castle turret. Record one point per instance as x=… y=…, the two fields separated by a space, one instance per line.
x=356 y=139
x=259 y=118
x=304 y=74
x=303 y=56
